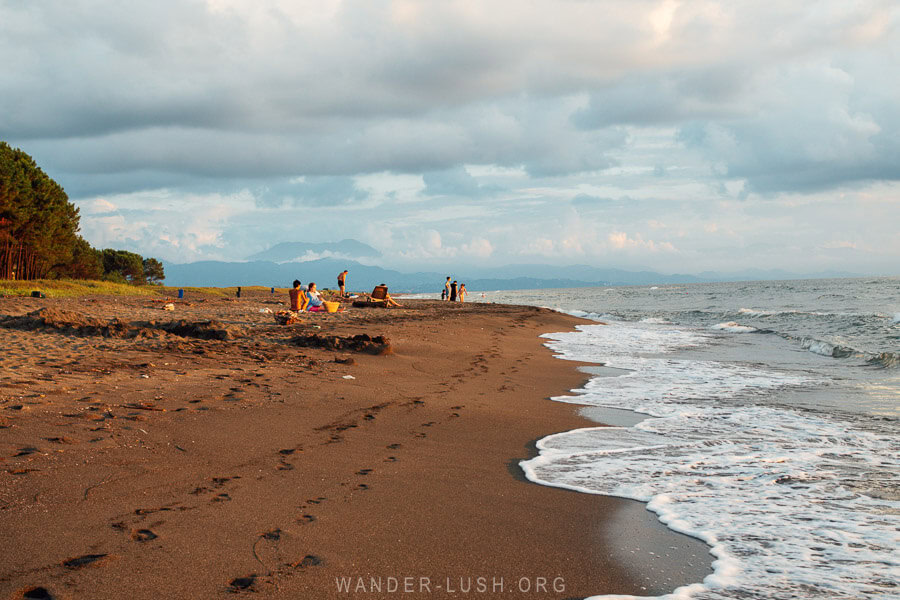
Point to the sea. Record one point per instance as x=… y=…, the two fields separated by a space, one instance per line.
x=760 y=417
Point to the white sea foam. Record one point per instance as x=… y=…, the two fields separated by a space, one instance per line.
x=734 y=327
x=657 y=320
x=770 y=490
x=896 y=318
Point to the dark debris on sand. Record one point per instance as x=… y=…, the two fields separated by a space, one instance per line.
x=362 y=342
x=74 y=323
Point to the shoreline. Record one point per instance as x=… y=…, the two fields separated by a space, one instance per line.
x=208 y=467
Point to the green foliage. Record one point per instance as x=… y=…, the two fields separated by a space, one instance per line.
x=86 y=262
x=39 y=232
x=38 y=224
x=124 y=265
x=153 y=270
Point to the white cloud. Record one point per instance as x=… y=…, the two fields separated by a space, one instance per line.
x=479 y=247
x=619 y=240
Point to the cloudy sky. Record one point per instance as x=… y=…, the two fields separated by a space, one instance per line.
x=679 y=136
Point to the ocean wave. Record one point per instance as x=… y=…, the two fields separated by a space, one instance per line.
x=589 y=315
x=828 y=349
x=734 y=327
x=896 y=318
x=752 y=312
x=775 y=493
x=885 y=359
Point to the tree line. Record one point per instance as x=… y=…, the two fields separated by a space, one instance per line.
x=39 y=231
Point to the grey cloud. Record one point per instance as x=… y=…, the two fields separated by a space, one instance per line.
x=452 y=182
x=316 y=191
x=668 y=97
x=533 y=133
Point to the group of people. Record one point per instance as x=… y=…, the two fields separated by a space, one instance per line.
x=454 y=292
x=310 y=299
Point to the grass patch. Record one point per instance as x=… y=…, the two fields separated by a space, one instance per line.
x=224 y=292
x=61 y=288
x=66 y=288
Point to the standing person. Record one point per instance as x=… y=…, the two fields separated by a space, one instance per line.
x=342 y=280
x=296 y=295
x=462 y=292
x=445 y=293
x=453 y=291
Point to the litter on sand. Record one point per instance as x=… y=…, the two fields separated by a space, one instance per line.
x=349 y=377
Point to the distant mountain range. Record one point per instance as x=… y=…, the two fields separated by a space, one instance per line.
x=363 y=277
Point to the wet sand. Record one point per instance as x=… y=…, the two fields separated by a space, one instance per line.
x=148 y=458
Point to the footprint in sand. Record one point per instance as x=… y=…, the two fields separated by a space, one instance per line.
x=364 y=471
x=391 y=459
x=394 y=446
x=38 y=593
x=82 y=561
x=223 y=497
x=241 y=584
x=143 y=535
x=310 y=560
x=306 y=519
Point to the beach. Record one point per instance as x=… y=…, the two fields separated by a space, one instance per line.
x=152 y=452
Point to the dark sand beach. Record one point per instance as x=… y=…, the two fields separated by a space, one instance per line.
x=147 y=454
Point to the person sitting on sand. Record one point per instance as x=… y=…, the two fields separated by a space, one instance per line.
x=315 y=298
x=381 y=293
x=462 y=292
x=298 y=296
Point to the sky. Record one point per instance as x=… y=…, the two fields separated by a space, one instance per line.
x=677 y=136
